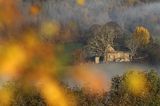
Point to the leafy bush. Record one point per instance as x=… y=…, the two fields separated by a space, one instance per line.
x=119 y=95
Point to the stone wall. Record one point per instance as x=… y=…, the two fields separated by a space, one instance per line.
x=118 y=57
x=97 y=60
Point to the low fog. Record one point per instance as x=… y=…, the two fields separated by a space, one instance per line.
x=103 y=11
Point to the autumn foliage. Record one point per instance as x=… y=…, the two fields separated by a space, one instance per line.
x=141 y=35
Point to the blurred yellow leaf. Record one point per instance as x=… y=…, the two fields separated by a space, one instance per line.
x=94 y=82
x=52 y=92
x=6 y=97
x=12 y=59
x=136 y=83
x=35 y=10
x=9 y=13
x=81 y=2
x=50 y=28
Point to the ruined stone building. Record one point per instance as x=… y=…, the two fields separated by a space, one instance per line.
x=116 y=56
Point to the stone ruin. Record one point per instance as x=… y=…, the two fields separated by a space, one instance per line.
x=114 y=56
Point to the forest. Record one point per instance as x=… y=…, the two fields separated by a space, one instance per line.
x=79 y=52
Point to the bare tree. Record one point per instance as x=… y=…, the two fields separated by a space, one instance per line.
x=104 y=35
x=133 y=45
x=112 y=30
x=97 y=45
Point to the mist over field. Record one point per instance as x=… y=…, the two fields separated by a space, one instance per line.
x=111 y=70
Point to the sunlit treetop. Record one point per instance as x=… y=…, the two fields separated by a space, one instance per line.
x=142 y=35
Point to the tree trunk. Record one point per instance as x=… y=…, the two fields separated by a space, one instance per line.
x=104 y=55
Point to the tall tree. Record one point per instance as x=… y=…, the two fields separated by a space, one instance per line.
x=140 y=38
x=142 y=35
x=132 y=45
x=102 y=37
x=111 y=30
